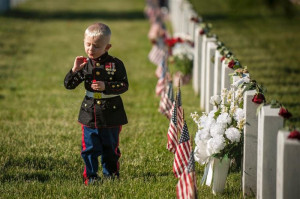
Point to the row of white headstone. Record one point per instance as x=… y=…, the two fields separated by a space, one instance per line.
x=271 y=167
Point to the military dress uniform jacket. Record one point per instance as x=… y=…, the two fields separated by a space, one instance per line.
x=106 y=108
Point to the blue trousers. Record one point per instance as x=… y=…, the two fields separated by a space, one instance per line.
x=102 y=142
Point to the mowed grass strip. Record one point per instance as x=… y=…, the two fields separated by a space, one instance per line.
x=264 y=39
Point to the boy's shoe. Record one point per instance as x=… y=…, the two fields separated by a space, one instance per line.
x=91 y=180
x=111 y=177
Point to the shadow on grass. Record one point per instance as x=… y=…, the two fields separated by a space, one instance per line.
x=151 y=175
x=73 y=15
x=29 y=176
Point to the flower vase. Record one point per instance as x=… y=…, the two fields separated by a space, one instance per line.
x=220 y=172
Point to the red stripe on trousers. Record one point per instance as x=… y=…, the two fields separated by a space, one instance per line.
x=83 y=148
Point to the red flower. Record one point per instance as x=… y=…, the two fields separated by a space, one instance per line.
x=202 y=32
x=171 y=42
x=84 y=60
x=195 y=19
x=258 y=98
x=284 y=113
x=222 y=58
x=231 y=64
x=294 y=135
x=179 y=40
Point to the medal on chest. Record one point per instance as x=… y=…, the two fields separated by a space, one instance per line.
x=110 y=68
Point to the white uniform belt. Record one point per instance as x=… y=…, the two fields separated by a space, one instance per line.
x=98 y=95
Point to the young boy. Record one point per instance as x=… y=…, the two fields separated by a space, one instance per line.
x=102 y=112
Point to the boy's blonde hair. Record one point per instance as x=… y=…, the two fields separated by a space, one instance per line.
x=98 y=29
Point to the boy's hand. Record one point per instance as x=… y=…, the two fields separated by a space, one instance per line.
x=98 y=85
x=79 y=63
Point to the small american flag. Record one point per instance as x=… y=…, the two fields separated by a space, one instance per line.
x=161 y=82
x=179 y=111
x=172 y=131
x=156 y=55
x=182 y=154
x=187 y=186
x=166 y=101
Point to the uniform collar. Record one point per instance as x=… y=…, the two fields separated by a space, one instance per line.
x=102 y=58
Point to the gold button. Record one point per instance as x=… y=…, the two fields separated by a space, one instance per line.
x=98 y=102
x=112 y=73
x=97 y=73
x=122 y=84
x=97 y=64
x=113 y=86
x=110 y=78
x=85 y=105
x=118 y=85
x=114 y=107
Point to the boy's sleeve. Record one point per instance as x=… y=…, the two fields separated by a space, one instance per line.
x=72 y=80
x=119 y=84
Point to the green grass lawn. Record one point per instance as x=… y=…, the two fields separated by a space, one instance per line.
x=40 y=139
x=266 y=40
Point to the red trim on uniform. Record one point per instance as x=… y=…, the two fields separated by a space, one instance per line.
x=85 y=178
x=82 y=141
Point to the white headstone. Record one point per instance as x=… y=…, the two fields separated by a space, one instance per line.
x=218 y=73
x=210 y=58
x=225 y=79
x=203 y=66
x=288 y=167
x=269 y=122
x=192 y=24
x=186 y=14
x=197 y=60
x=249 y=172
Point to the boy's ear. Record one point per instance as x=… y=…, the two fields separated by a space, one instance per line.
x=108 y=46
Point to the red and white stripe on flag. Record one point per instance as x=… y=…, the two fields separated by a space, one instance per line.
x=186 y=187
x=160 y=86
x=179 y=118
x=156 y=55
x=165 y=105
x=172 y=131
x=182 y=154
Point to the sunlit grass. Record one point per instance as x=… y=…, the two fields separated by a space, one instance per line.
x=40 y=139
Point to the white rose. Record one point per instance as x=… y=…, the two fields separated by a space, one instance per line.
x=215 y=100
x=202 y=135
x=233 y=134
x=224 y=118
x=239 y=114
x=209 y=122
x=216 y=144
x=201 y=155
x=217 y=129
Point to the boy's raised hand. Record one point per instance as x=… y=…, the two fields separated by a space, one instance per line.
x=79 y=63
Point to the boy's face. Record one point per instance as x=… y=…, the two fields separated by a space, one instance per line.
x=96 y=46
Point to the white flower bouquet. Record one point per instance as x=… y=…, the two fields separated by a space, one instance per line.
x=220 y=131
